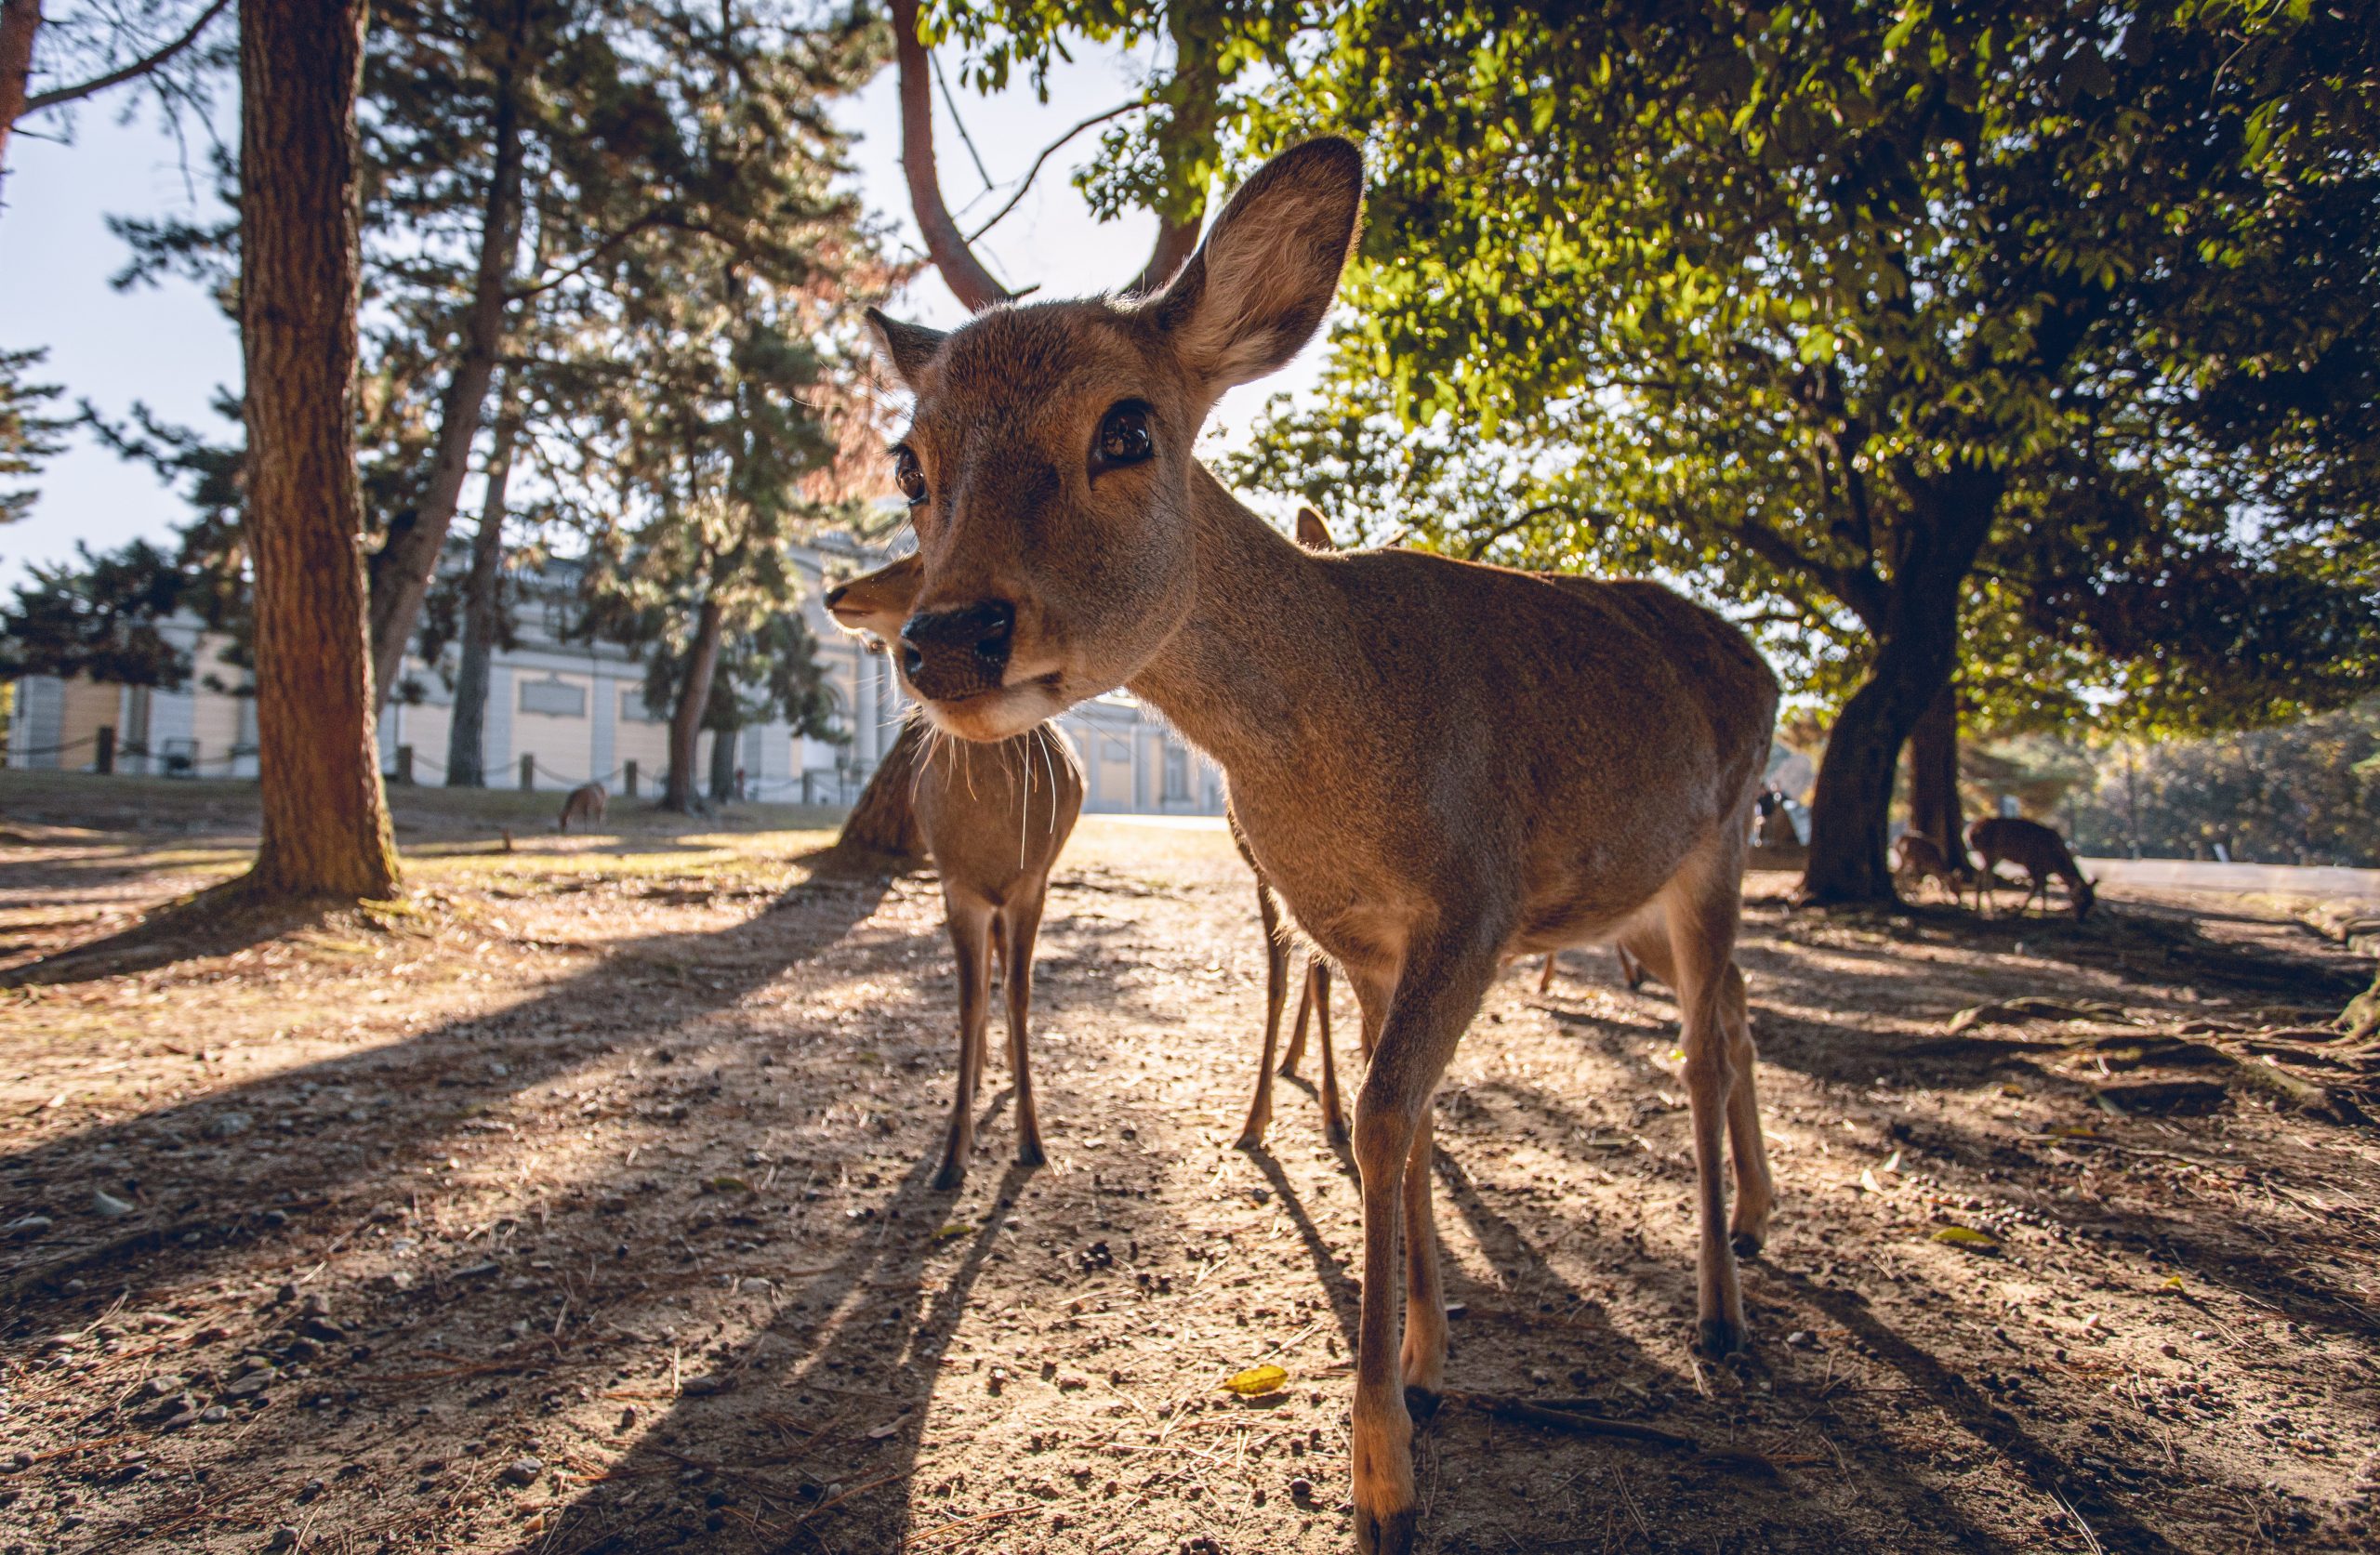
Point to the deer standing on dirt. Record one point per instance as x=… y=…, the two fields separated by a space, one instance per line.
x=1314 y=997
x=585 y=806
x=2038 y=850
x=1363 y=705
x=994 y=820
x=1922 y=859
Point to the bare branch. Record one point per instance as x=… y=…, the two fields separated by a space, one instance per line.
x=40 y=101
x=1047 y=152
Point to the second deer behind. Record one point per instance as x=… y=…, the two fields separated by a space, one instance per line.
x=994 y=818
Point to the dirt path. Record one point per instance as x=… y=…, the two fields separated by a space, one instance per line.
x=582 y=1206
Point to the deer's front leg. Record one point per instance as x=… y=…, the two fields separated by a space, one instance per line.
x=970 y=927
x=1434 y=1001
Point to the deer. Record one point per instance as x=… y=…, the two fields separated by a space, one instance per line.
x=994 y=821
x=1922 y=859
x=1362 y=704
x=2039 y=850
x=1314 y=997
x=584 y=805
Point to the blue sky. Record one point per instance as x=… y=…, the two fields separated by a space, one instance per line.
x=169 y=345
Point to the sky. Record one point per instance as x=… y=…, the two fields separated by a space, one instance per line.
x=168 y=347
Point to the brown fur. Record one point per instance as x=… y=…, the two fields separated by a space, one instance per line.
x=584 y=805
x=1438 y=765
x=1923 y=859
x=995 y=819
x=2038 y=850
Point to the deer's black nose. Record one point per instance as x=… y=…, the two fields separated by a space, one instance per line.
x=951 y=654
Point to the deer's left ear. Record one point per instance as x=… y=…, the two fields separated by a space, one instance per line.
x=1257 y=289
x=909 y=348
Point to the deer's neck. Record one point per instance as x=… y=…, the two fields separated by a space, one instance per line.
x=1233 y=676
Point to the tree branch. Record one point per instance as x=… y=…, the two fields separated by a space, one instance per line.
x=40 y=101
x=945 y=245
x=1047 y=152
x=1861 y=590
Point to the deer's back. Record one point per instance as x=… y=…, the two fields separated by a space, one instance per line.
x=2021 y=841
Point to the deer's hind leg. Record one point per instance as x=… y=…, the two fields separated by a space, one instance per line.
x=971 y=923
x=1021 y=920
x=1277 y=993
x=1755 y=1188
x=1318 y=991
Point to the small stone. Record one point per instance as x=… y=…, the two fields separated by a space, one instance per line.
x=25 y=1227
x=108 y=1207
x=396 y=1279
x=284 y=1537
x=756 y=1286
x=316 y=1305
x=522 y=1471
x=253 y=1383
x=163 y=1384
x=1802 y=1338
x=225 y=1126
x=213 y=1414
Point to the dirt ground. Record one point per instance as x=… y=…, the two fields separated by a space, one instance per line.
x=579 y=1203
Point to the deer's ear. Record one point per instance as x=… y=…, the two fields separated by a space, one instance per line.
x=907 y=347
x=877 y=602
x=1257 y=289
x=1313 y=534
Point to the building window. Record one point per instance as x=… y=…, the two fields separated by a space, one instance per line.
x=1177 y=775
x=633 y=710
x=555 y=698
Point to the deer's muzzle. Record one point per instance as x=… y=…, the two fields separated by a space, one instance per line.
x=951 y=654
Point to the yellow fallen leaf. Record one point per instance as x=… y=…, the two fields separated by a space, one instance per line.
x=728 y=1183
x=2172 y=1283
x=1966 y=1237
x=1256 y=1381
x=954 y=1231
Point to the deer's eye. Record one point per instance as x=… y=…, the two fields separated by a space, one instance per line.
x=1124 y=438
x=910 y=476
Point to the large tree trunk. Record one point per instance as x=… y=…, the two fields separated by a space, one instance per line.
x=686 y=719
x=466 y=733
x=1933 y=776
x=724 y=746
x=1916 y=650
x=883 y=820
x=20 y=25
x=407 y=557
x=325 y=831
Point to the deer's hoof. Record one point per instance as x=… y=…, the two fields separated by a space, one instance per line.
x=1385 y=1533
x=1746 y=1244
x=952 y=1174
x=1028 y=1153
x=1252 y=1137
x=1719 y=1338
x=1421 y=1402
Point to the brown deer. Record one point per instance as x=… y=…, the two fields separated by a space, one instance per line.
x=1922 y=859
x=2042 y=853
x=1364 y=706
x=585 y=804
x=994 y=820
x=1314 y=997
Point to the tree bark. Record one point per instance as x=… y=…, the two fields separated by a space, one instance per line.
x=325 y=822
x=945 y=245
x=1934 y=776
x=467 y=732
x=686 y=719
x=407 y=557
x=1916 y=650
x=883 y=821
x=20 y=25
x=723 y=756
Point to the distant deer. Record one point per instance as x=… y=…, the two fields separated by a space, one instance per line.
x=994 y=820
x=1922 y=859
x=2038 y=850
x=1314 y=999
x=1438 y=765
x=585 y=806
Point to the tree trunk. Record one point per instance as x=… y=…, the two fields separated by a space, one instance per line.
x=1916 y=650
x=1934 y=776
x=723 y=753
x=686 y=719
x=20 y=25
x=407 y=557
x=1188 y=141
x=466 y=733
x=325 y=823
x=883 y=821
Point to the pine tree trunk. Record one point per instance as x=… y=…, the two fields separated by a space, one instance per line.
x=325 y=823
x=1933 y=776
x=686 y=719
x=1917 y=645
x=467 y=732
x=402 y=567
x=20 y=25
x=883 y=821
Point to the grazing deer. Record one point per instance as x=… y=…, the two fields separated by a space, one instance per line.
x=1314 y=999
x=1922 y=859
x=994 y=820
x=585 y=806
x=2042 y=853
x=1363 y=705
